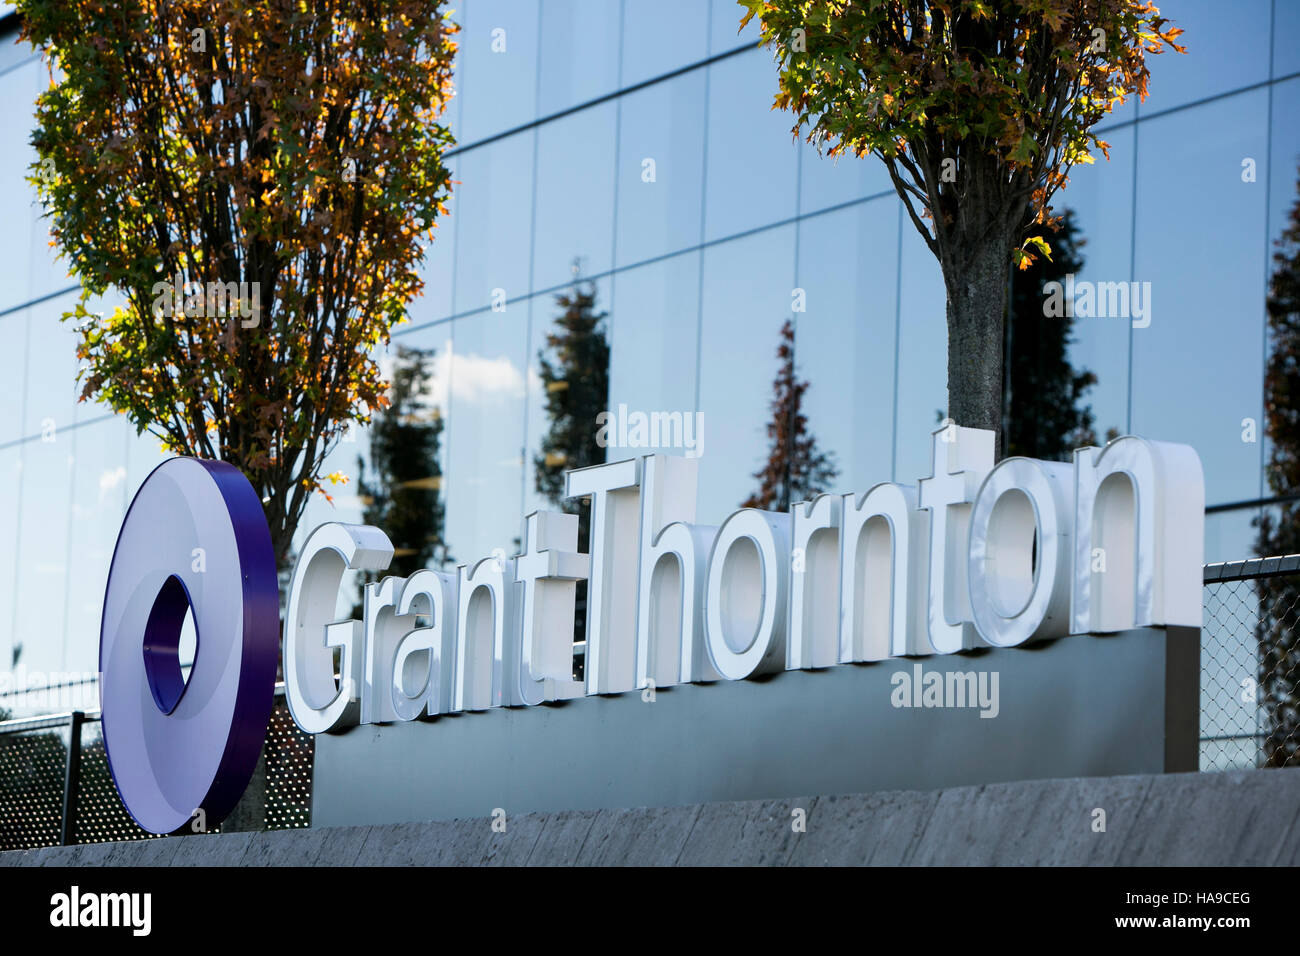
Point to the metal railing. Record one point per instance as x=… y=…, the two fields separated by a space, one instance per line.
x=56 y=788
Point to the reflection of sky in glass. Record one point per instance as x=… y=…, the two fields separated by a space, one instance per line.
x=1199 y=242
x=575 y=157
x=497 y=87
x=659 y=204
x=697 y=277
x=848 y=263
x=1101 y=196
x=742 y=192
x=747 y=284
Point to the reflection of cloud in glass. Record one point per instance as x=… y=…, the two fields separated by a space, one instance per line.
x=109 y=479
x=471 y=378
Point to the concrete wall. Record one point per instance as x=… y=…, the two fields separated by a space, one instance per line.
x=1246 y=818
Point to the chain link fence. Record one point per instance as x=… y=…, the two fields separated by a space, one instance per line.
x=56 y=788
x=1250 y=664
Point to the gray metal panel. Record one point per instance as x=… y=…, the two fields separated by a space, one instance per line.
x=1079 y=706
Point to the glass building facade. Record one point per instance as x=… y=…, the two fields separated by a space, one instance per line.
x=634 y=140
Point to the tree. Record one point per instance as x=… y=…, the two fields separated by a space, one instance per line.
x=405 y=497
x=795 y=470
x=257 y=180
x=1046 y=415
x=979 y=109
x=574 y=369
x=1279 y=527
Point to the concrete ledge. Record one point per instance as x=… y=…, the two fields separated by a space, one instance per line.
x=1241 y=818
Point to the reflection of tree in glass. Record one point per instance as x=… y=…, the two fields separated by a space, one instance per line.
x=795 y=470
x=1279 y=527
x=405 y=495
x=1045 y=414
x=574 y=369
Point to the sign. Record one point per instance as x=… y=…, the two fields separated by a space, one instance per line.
x=975 y=555
x=194 y=541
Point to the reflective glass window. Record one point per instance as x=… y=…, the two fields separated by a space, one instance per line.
x=748 y=285
x=751 y=179
x=575 y=196
x=660 y=168
x=1199 y=243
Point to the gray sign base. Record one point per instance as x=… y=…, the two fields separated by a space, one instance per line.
x=1081 y=706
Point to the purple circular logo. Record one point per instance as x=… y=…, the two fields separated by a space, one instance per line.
x=194 y=541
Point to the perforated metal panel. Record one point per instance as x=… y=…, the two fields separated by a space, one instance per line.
x=33 y=765
x=289 y=754
x=101 y=818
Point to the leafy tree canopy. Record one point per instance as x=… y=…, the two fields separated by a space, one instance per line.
x=277 y=162
x=1011 y=85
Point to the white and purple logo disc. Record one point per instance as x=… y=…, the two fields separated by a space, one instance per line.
x=194 y=540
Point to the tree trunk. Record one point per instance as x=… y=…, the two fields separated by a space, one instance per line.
x=977 y=298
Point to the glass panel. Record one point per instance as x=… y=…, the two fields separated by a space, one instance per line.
x=428 y=470
x=12 y=50
x=546 y=313
x=52 y=387
x=13 y=374
x=747 y=298
x=848 y=266
x=726 y=33
x=485 y=437
x=1101 y=197
x=579 y=52
x=1284 y=195
x=98 y=505
x=922 y=355
x=494 y=208
x=341 y=500
x=826 y=181
x=660 y=36
x=498 y=66
x=654 y=329
x=10 y=479
x=41 y=611
x=659 y=204
x=1286 y=38
x=144 y=453
x=1229 y=536
x=1227 y=48
x=438 y=268
x=1196 y=367
x=751 y=157
x=18 y=208
x=575 y=196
